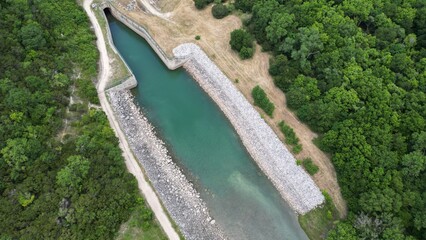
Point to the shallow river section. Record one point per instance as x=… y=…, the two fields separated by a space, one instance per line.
x=204 y=144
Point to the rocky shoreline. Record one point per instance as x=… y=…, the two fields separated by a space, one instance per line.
x=279 y=165
x=178 y=195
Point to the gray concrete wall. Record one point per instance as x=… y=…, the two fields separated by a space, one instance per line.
x=171 y=62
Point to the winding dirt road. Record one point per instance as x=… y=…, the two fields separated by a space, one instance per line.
x=131 y=162
x=153 y=10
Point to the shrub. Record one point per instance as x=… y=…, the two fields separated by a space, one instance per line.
x=242 y=42
x=244 y=5
x=290 y=136
x=198 y=37
x=246 y=53
x=231 y=7
x=78 y=107
x=239 y=39
x=329 y=215
x=220 y=11
x=262 y=101
x=327 y=197
x=25 y=199
x=87 y=90
x=200 y=4
x=309 y=166
x=297 y=149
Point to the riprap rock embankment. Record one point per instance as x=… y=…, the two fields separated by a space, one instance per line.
x=175 y=191
x=293 y=183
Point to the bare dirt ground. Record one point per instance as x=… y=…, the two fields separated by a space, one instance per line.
x=184 y=22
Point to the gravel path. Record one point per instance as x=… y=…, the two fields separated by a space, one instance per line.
x=293 y=183
x=130 y=161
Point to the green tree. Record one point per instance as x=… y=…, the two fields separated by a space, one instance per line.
x=220 y=11
x=246 y=53
x=200 y=4
x=43 y=45
x=342 y=231
x=290 y=135
x=262 y=15
x=413 y=164
x=419 y=140
x=341 y=103
x=242 y=42
x=363 y=66
x=419 y=23
x=405 y=15
x=358 y=9
x=32 y=36
x=16 y=155
x=244 y=5
x=278 y=28
x=73 y=174
x=303 y=91
x=239 y=39
x=303 y=45
x=283 y=71
x=380 y=200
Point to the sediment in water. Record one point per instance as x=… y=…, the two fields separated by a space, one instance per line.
x=270 y=154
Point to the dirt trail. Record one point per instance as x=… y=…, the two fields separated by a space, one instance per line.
x=185 y=22
x=131 y=162
x=154 y=10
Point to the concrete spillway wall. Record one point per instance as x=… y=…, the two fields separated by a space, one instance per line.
x=126 y=83
x=171 y=63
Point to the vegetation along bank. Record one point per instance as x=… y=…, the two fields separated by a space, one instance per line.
x=61 y=171
x=355 y=71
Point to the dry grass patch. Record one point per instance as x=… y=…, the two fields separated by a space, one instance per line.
x=167 y=5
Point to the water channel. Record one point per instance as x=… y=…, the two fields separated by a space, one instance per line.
x=204 y=144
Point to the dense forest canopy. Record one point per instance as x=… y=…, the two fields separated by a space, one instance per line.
x=49 y=189
x=355 y=71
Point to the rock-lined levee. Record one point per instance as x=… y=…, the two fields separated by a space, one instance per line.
x=295 y=185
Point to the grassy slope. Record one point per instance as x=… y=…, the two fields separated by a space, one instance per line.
x=319 y=221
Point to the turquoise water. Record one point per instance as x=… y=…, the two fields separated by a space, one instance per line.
x=202 y=141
